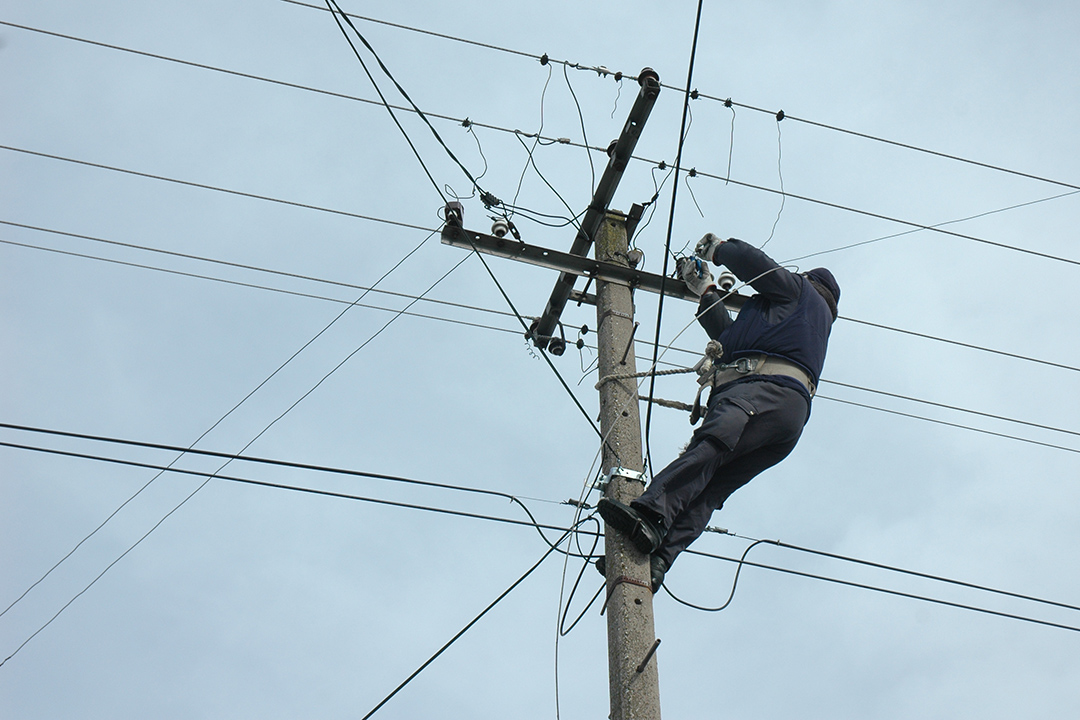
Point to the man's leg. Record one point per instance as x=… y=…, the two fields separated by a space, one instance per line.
x=693 y=520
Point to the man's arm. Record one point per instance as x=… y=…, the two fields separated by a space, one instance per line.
x=712 y=314
x=755 y=267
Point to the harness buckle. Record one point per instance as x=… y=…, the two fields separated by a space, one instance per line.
x=745 y=365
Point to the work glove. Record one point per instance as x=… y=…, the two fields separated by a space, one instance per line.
x=695 y=273
x=706 y=247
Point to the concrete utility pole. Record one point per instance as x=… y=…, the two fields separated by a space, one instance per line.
x=632 y=673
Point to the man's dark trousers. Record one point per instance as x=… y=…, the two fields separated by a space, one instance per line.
x=750 y=426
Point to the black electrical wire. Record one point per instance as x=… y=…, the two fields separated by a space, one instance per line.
x=960 y=344
x=945 y=406
x=726 y=179
x=204 y=186
x=515 y=332
x=552 y=546
x=727 y=101
x=880 y=216
x=907 y=146
x=916 y=226
x=465 y=629
x=734 y=584
x=950 y=424
x=670 y=228
x=887 y=591
x=294 y=86
x=252 y=441
x=418 y=30
x=532 y=523
x=383 y=98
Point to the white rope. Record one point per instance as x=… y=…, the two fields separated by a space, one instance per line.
x=647 y=373
x=673 y=404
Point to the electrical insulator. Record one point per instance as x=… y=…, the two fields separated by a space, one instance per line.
x=500 y=228
x=725 y=281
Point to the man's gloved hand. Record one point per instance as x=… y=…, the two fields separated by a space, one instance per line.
x=695 y=273
x=707 y=246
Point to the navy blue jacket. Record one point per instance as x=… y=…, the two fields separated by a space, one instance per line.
x=787 y=318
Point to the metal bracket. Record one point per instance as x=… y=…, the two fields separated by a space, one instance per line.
x=619 y=472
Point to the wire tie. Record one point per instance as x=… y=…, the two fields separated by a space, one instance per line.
x=619 y=581
x=648 y=656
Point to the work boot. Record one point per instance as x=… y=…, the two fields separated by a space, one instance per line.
x=657 y=569
x=643 y=533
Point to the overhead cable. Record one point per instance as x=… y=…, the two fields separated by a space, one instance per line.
x=670 y=229
x=726 y=179
x=825 y=381
x=691 y=551
x=728 y=102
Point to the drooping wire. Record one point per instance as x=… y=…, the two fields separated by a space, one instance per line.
x=618 y=94
x=780 y=172
x=584 y=134
x=651 y=204
x=734 y=585
x=530 y=151
x=731 y=142
x=667 y=242
x=691 y=174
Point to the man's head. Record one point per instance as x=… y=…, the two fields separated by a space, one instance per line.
x=824 y=282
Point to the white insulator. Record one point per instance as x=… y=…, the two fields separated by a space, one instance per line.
x=725 y=281
x=500 y=228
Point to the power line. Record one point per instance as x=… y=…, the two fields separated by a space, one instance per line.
x=204 y=186
x=292 y=85
x=532 y=523
x=728 y=102
x=915 y=225
x=888 y=328
x=954 y=407
x=880 y=216
x=961 y=344
x=670 y=228
x=907 y=146
x=510 y=331
x=465 y=629
x=219 y=421
x=887 y=591
x=951 y=424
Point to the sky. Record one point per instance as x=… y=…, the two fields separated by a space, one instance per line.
x=194 y=197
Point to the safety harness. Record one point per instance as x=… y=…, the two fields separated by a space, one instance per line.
x=712 y=373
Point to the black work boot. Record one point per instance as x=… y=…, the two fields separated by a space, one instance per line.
x=643 y=532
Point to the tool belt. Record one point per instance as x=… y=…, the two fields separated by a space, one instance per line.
x=712 y=373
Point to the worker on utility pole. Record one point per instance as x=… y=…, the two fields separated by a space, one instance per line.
x=762 y=370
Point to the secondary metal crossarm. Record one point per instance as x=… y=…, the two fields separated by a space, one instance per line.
x=618 y=155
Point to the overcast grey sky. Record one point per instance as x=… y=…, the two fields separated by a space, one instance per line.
x=257 y=602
